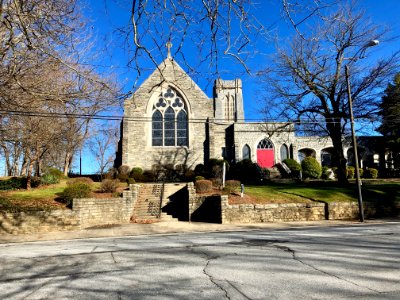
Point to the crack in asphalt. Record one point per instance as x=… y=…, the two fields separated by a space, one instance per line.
x=210 y=277
x=112 y=255
x=239 y=291
x=293 y=252
x=208 y=259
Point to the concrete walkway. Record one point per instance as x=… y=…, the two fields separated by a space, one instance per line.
x=164 y=228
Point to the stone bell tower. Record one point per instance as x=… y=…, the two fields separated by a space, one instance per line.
x=228 y=100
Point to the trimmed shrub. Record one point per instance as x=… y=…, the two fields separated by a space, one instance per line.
x=199 y=178
x=85 y=180
x=334 y=170
x=214 y=167
x=200 y=170
x=109 y=185
x=35 y=182
x=13 y=183
x=294 y=167
x=326 y=173
x=123 y=173
x=136 y=173
x=232 y=186
x=246 y=171
x=189 y=176
x=203 y=186
x=112 y=173
x=148 y=176
x=47 y=179
x=76 y=190
x=350 y=172
x=311 y=168
x=371 y=173
x=56 y=173
x=130 y=181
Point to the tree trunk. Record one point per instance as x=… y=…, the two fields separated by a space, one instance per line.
x=24 y=166
x=17 y=154
x=29 y=175
x=339 y=160
x=25 y=162
x=7 y=159
x=67 y=162
x=38 y=170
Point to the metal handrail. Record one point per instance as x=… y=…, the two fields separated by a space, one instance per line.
x=161 y=199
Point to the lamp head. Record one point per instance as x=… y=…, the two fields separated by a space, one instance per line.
x=372 y=43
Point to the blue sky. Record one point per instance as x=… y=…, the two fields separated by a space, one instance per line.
x=108 y=15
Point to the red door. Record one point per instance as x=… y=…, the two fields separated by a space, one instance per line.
x=265 y=158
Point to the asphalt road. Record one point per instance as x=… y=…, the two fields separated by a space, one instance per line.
x=357 y=261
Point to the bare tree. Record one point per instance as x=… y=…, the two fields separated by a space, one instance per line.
x=307 y=80
x=44 y=87
x=103 y=146
x=211 y=29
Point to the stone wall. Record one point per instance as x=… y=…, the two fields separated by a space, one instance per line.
x=254 y=213
x=92 y=212
x=38 y=221
x=85 y=213
x=257 y=213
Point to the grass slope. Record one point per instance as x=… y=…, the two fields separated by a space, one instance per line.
x=324 y=192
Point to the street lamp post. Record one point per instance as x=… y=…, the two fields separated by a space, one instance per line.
x=353 y=134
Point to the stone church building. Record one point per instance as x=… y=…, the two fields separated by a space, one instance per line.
x=170 y=120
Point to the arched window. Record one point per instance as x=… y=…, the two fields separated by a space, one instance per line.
x=182 y=129
x=284 y=152
x=157 y=128
x=265 y=144
x=169 y=127
x=246 y=152
x=169 y=120
x=265 y=154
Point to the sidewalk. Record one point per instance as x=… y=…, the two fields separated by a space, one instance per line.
x=166 y=228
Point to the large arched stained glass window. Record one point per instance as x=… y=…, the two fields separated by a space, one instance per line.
x=169 y=120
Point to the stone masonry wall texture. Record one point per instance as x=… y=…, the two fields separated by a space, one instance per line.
x=250 y=213
x=85 y=213
x=136 y=143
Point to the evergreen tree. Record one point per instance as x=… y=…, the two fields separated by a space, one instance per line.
x=390 y=113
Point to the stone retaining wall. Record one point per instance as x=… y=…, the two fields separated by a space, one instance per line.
x=85 y=213
x=38 y=221
x=250 y=213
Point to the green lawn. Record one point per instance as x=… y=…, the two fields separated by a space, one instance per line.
x=324 y=192
x=47 y=197
x=42 y=198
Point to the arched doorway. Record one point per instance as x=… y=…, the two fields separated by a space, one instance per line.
x=265 y=154
x=327 y=157
x=306 y=152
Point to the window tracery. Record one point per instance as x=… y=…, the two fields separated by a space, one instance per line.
x=169 y=120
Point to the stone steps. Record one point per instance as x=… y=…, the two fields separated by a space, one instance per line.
x=167 y=218
x=147 y=206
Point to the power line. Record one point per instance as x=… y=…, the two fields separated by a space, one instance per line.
x=149 y=119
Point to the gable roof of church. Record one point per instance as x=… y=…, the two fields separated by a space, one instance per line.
x=169 y=72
